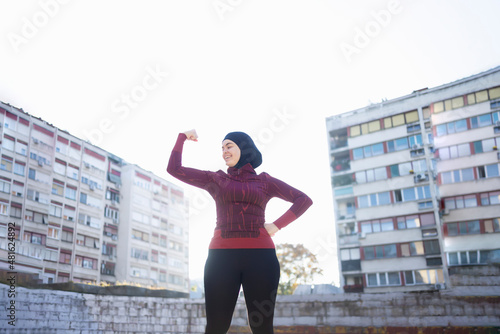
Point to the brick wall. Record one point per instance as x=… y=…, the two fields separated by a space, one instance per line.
x=54 y=312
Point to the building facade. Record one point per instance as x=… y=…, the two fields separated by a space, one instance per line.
x=416 y=185
x=75 y=212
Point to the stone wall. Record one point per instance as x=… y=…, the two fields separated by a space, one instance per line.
x=54 y=312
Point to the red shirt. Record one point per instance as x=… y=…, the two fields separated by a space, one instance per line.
x=240 y=196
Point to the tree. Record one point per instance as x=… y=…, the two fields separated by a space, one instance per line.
x=298 y=266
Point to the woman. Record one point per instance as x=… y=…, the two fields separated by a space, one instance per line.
x=241 y=251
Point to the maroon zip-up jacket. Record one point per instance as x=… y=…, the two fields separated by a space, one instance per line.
x=240 y=196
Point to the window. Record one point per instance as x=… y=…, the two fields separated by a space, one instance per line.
x=6 y=164
x=487 y=171
x=21 y=148
x=355 y=131
x=176 y=280
x=4 y=208
x=379 y=252
x=37 y=196
x=113 y=195
x=463 y=228
x=401 y=169
x=55 y=210
x=67 y=235
x=19 y=168
x=139 y=254
x=480 y=121
x=485 y=145
x=65 y=257
x=377 y=226
x=453 y=152
x=398 y=120
x=86 y=262
x=415 y=141
x=8 y=143
x=496 y=225
x=57 y=188
x=72 y=172
x=429 y=233
x=470 y=201
x=467 y=257
x=87 y=241
x=383 y=279
x=374 y=126
x=441 y=130
x=408 y=222
x=108 y=249
x=53 y=233
x=348 y=254
x=432 y=247
x=491 y=198
x=174 y=229
x=456 y=176
x=139 y=217
x=139 y=235
x=374 y=200
x=175 y=246
x=431 y=276
x=16 y=210
x=112 y=213
x=412 y=194
x=70 y=193
x=412 y=249
x=5 y=186
x=89 y=221
x=357 y=153
x=368 y=151
x=163 y=241
x=34 y=238
x=397 y=144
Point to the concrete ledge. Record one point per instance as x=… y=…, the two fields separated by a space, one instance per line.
x=49 y=311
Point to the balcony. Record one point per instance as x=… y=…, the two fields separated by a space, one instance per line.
x=339 y=192
x=346 y=214
x=341 y=162
x=114 y=178
x=349 y=239
x=351 y=265
x=339 y=166
x=338 y=139
x=343 y=180
x=355 y=288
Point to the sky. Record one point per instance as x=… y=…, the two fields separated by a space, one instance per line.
x=130 y=75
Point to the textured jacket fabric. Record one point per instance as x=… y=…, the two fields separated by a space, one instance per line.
x=241 y=196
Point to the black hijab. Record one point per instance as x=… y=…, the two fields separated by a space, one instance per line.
x=249 y=152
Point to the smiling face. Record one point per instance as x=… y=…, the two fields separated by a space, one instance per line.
x=230 y=153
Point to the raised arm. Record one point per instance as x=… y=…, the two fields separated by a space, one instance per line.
x=194 y=177
x=301 y=202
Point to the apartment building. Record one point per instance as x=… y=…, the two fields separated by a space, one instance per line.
x=416 y=185
x=82 y=214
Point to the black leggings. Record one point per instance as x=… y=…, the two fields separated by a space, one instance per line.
x=226 y=270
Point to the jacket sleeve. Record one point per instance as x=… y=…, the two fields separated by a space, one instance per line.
x=194 y=177
x=301 y=202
